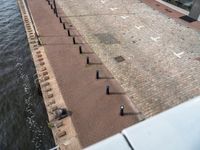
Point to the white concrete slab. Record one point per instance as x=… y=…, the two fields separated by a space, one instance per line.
x=175 y=129
x=116 y=142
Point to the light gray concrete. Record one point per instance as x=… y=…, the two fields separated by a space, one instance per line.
x=160 y=70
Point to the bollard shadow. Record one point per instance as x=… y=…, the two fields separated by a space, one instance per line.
x=87 y=53
x=106 y=77
x=75 y=35
x=93 y=63
x=131 y=113
x=117 y=93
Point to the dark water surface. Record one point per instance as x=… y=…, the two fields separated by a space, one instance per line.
x=23 y=119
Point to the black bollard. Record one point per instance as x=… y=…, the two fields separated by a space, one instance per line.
x=97 y=74
x=55 y=8
x=88 y=60
x=68 y=31
x=54 y=3
x=48 y=2
x=122 y=110
x=64 y=25
x=107 y=90
x=60 y=19
x=51 y=6
x=74 y=40
x=80 y=50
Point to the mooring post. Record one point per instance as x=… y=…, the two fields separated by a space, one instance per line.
x=55 y=8
x=97 y=74
x=107 y=90
x=121 y=110
x=80 y=50
x=88 y=60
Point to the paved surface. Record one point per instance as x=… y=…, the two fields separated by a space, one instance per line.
x=95 y=115
x=161 y=67
x=172 y=13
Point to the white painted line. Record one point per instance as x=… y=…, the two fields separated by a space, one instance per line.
x=124 y=17
x=155 y=39
x=139 y=27
x=178 y=54
x=112 y=9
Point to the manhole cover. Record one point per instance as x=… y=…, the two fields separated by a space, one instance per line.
x=107 y=38
x=119 y=58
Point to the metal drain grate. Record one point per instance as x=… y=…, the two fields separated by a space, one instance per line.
x=119 y=59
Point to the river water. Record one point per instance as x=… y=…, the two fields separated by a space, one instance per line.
x=23 y=118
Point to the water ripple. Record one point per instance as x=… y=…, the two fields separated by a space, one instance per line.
x=22 y=113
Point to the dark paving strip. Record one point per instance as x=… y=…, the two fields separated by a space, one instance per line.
x=95 y=115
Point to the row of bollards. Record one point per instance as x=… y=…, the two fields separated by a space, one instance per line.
x=54 y=7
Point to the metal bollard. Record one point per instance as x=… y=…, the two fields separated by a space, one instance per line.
x=51 y=6
x=107 y=90
x=74 y=40
x=55 y=8
x=122 y=110
x=88 y=60
x=64 y=26
x=97 y=74
x=68 y=31
x=80 y=50
x=60 y=19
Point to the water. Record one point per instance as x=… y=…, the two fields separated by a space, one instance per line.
x=23 y=119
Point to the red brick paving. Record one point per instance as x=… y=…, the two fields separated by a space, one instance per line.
x=95 y=114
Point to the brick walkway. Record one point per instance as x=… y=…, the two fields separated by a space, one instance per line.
x=161 y=67
x=95 y=115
